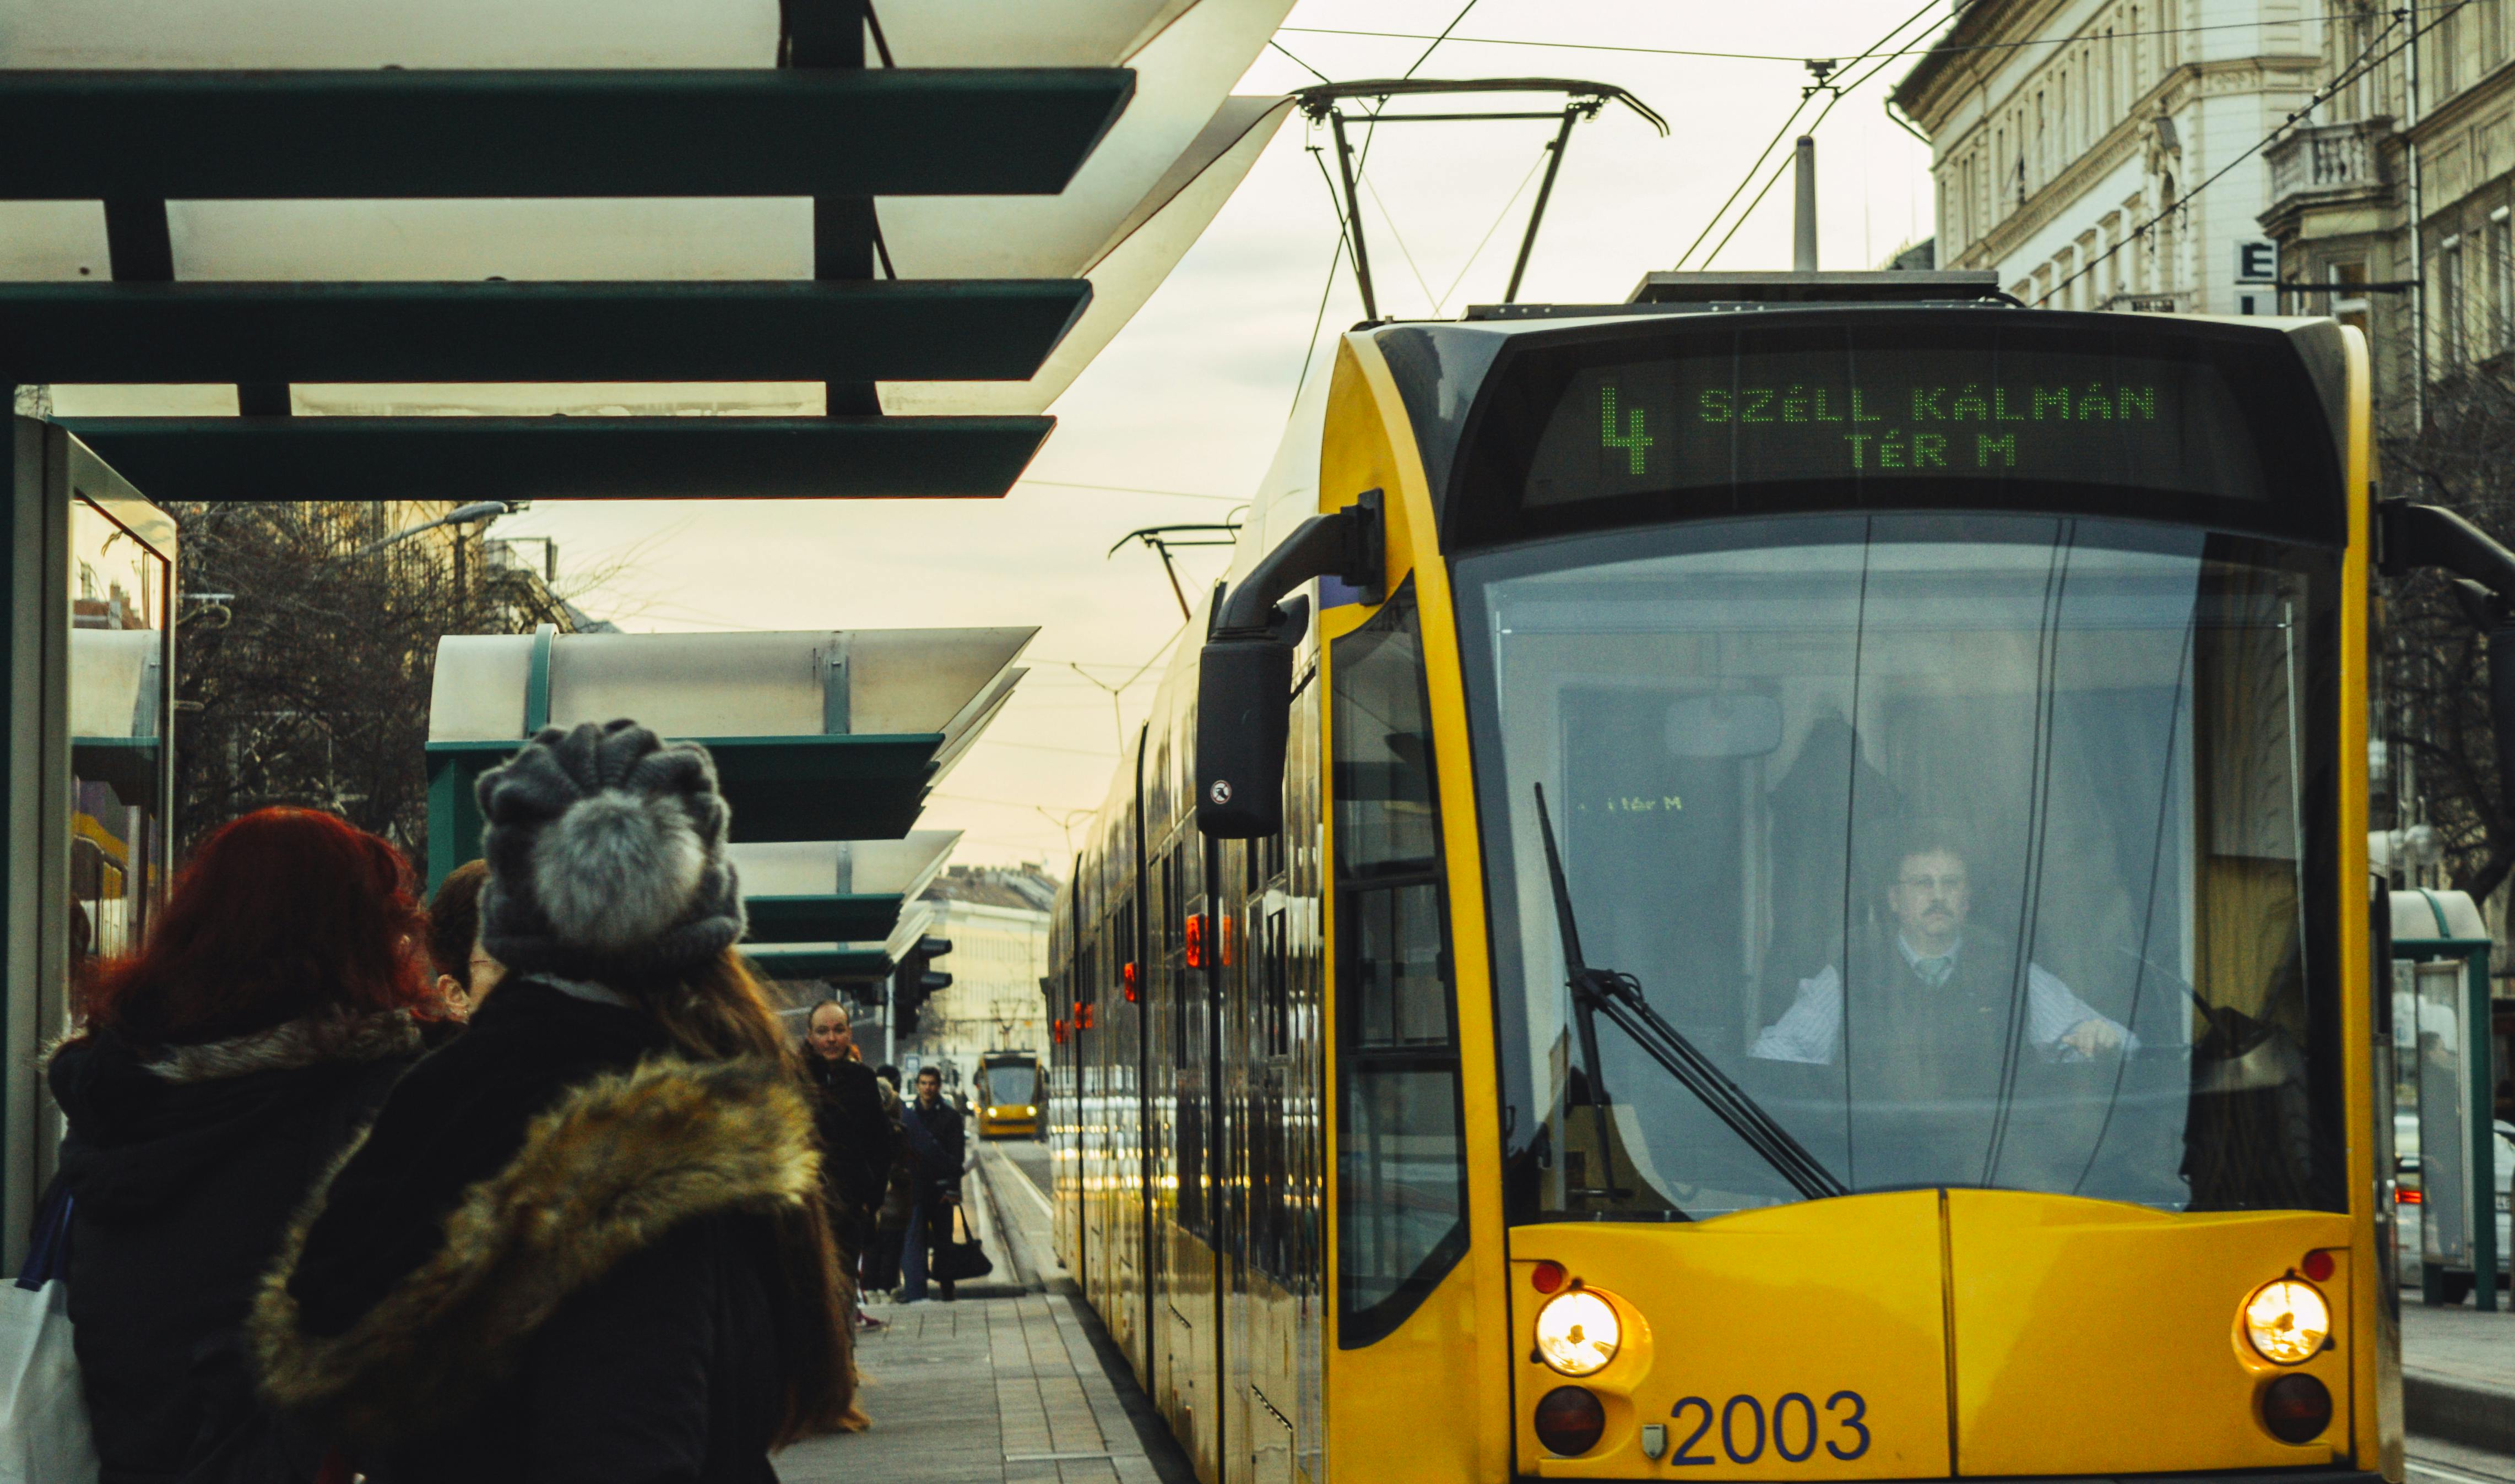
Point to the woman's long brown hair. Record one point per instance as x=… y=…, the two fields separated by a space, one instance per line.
x=719 y=1014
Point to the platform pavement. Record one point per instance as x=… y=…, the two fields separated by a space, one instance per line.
x=2458 y=1376
x=1022 y=1391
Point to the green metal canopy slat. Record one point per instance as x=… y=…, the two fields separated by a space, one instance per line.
x=554 y=458
x=851 y=918
x=801 y=330
x=351 y=135
x=862 y=786
x=822 y=963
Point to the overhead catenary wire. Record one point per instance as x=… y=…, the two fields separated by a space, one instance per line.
x=2365 y=63
x=1643 y=50
x=1834 y=92
x=1438 y=40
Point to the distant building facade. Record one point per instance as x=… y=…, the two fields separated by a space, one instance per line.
x=997 y=919
x=2068 y=139
x=2424 y=135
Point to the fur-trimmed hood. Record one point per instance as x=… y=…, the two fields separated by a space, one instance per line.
x=603 y=1171
x=147 y=1126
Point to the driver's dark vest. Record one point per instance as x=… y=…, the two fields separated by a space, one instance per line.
x=1909 y=1042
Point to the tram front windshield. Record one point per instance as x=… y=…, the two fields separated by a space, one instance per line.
x=1011 y=1084
x=1978 y=849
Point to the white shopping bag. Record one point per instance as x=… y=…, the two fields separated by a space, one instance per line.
x=44 y=1436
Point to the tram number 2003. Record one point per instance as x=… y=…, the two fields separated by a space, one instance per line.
x=1794 y=1430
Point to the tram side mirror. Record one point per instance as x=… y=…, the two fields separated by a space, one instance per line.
x=1244 y=683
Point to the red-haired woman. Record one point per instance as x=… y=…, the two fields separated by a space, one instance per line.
x=218 y=1076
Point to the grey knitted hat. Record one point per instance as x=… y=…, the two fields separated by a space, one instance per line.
x=606 y=857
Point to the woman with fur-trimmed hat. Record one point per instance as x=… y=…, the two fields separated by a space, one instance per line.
x=585 y=1240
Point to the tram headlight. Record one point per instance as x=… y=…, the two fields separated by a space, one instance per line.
x=2286 y=1321
x=1578 y=1332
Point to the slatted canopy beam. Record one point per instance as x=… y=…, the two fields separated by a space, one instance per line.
x=310 y=135
x=800 y=330
x=840 y=918
x=551 y=458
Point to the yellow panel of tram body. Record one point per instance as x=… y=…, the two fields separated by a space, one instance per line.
x=1431 y=1400
x=2098 y=1337
x=1838 y=1303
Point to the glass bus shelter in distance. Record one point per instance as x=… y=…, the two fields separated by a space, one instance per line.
x=89 y=839
x=2444 y=1091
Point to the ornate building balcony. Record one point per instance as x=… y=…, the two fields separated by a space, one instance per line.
x=2330 y=166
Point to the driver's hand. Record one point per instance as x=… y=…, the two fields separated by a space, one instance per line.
x=2092 y=1039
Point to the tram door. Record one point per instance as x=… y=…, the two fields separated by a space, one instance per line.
x=90 y=838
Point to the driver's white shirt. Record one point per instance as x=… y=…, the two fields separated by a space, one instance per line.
x=1811 y=1029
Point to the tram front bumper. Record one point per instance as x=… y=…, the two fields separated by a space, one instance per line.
x=1927 y=1334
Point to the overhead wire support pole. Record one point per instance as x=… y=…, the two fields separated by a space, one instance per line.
x=1572 y=114
x=1353 y=213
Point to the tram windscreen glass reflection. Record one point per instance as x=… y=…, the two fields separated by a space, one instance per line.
x=1977 y=851
x=1010 y=1085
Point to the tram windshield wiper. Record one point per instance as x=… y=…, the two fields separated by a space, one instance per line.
x=1619 y=996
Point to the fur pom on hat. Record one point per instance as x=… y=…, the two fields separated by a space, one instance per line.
x=606 y=857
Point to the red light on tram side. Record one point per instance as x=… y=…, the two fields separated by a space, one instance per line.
x=1086 y=1021
x=1546 y=1277
x=2405 y=1198
x=1127 y=977
x=1196 y=943
x=2318 y=1265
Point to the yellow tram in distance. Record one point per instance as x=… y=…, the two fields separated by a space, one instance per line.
x=1008 y=1095
x=1763 y=884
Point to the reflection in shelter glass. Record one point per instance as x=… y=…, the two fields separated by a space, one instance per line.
x=1980 y=850
x=118 y=651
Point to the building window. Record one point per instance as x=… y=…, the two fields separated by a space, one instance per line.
x=2449 y=305
x=2501 y=282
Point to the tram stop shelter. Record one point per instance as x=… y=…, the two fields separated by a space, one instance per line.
x=546 y=250
x=2444 y=1093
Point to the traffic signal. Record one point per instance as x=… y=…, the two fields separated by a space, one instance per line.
x=916 y=979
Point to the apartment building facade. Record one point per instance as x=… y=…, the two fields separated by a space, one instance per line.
x=2070 y=140
x=2391 y=204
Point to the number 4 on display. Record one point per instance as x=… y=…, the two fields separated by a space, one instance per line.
x=1631 y=439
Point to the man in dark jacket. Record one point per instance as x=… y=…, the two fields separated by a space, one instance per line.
x=856 y=1133
x=932 y=1128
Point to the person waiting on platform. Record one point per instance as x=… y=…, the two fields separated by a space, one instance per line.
x=933 y=1129
x=856 y=1135
x=1932 y=995
x=465 y=972
x=214 y=1079
x=585 y=1240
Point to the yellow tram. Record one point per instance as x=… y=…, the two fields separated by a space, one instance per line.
x=1007 y=1100
x=1814 y=924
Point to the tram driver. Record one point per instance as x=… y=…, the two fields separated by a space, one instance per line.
x=1931 y=998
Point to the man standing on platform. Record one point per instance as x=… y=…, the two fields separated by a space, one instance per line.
x=857 y=1137
x=933 y=1129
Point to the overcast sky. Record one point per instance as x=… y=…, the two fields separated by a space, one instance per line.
x=1192 y=397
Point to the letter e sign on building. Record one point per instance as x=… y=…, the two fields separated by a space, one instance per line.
x=2256 y=267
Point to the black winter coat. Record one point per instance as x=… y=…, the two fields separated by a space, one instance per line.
x=856 y=1142
x=933 y=1133
x=563 y=1254
x=184 y=1172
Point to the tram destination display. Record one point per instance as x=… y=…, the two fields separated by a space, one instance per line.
x=1753 y=417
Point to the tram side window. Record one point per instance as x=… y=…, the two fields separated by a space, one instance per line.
x=1401 y=1164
